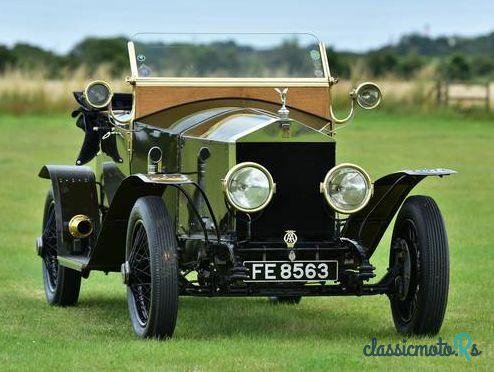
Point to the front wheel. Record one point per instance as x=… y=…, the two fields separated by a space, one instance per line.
x=152 y=293
x=420 y=254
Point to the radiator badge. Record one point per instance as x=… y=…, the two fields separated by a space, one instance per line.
x=290 y=239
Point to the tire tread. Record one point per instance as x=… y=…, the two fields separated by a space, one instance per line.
x=434 y=264
x=164 y=272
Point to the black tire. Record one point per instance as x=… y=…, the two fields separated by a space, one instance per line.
x=420 y=250
x=152 y=293
x=62 y=285
x=288 y=300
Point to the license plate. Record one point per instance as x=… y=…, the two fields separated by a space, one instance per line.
x=287 y=271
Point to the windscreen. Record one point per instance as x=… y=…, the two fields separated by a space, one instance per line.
x=227 y=55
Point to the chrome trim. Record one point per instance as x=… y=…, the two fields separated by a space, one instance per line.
x=251 y=130
x=283 y=112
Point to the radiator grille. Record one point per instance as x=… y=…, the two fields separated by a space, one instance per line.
x=297 y=169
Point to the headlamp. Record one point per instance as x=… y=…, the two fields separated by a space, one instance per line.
x=248 y=187
x=347 y=188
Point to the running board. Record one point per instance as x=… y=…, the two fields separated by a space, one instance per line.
x=78 y=263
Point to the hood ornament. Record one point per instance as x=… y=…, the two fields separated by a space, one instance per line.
x=290 y=239
x=283 y=111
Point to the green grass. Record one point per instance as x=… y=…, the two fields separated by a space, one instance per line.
x=249 y=334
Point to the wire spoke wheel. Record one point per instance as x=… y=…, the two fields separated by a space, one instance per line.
x=140 y=277
x=61 y=284
x=152 y=292
x=49 y=254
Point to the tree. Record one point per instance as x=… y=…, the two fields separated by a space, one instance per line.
x=409 y=65
x=483 y=66
x=456 y=68
x=32 y=58
x=93 y=52
x=381 y=64
x=338 y=64
x=6 y=58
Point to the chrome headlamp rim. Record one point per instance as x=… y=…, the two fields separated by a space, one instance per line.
x=331 y=172
x=110 y=94
x=233 y=170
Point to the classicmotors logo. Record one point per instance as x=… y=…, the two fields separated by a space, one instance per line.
x=462 y=347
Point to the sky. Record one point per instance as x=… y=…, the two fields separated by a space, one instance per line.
x=356 y=25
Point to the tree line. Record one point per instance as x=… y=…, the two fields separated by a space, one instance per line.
x=451 y=58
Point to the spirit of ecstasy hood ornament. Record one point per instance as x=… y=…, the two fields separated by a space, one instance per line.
x=283 y=111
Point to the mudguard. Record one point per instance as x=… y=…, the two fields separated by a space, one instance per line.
x=369 y=225
x=109 y=251
x=74 y=191
x=112 y=178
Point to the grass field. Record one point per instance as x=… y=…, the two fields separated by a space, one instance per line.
x=249 y=334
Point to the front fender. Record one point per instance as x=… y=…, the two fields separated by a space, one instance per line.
x=368 y=225
x=109 y=252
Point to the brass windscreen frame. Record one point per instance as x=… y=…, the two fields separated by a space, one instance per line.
x=228 y=81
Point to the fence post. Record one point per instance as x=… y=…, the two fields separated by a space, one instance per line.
x=446 y=93
x=488 y=96
x=438 y=92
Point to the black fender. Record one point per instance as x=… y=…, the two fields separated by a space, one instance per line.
x=109 y=252
x=112 y=177
x=74 y=191
x=369 y=224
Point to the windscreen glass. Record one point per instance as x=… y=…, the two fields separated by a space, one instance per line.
x=228 y=55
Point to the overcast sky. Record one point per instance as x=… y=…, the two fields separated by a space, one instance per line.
x=351 y=25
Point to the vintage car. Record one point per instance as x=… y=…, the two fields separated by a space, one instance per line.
x=222 y=181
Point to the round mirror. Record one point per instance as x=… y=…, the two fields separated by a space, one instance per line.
x=368 y=95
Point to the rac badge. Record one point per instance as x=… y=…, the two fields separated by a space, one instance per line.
x=290 y=239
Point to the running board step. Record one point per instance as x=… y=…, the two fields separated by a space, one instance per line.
x=78 y=263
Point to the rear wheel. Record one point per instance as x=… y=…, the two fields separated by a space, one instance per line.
x=420 y=253
x=152 y=293
x=61 y=284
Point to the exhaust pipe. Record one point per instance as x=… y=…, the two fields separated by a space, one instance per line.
x=80 y=226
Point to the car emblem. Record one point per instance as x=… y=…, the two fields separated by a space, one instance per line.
x=290 y=238
x=283 y=111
